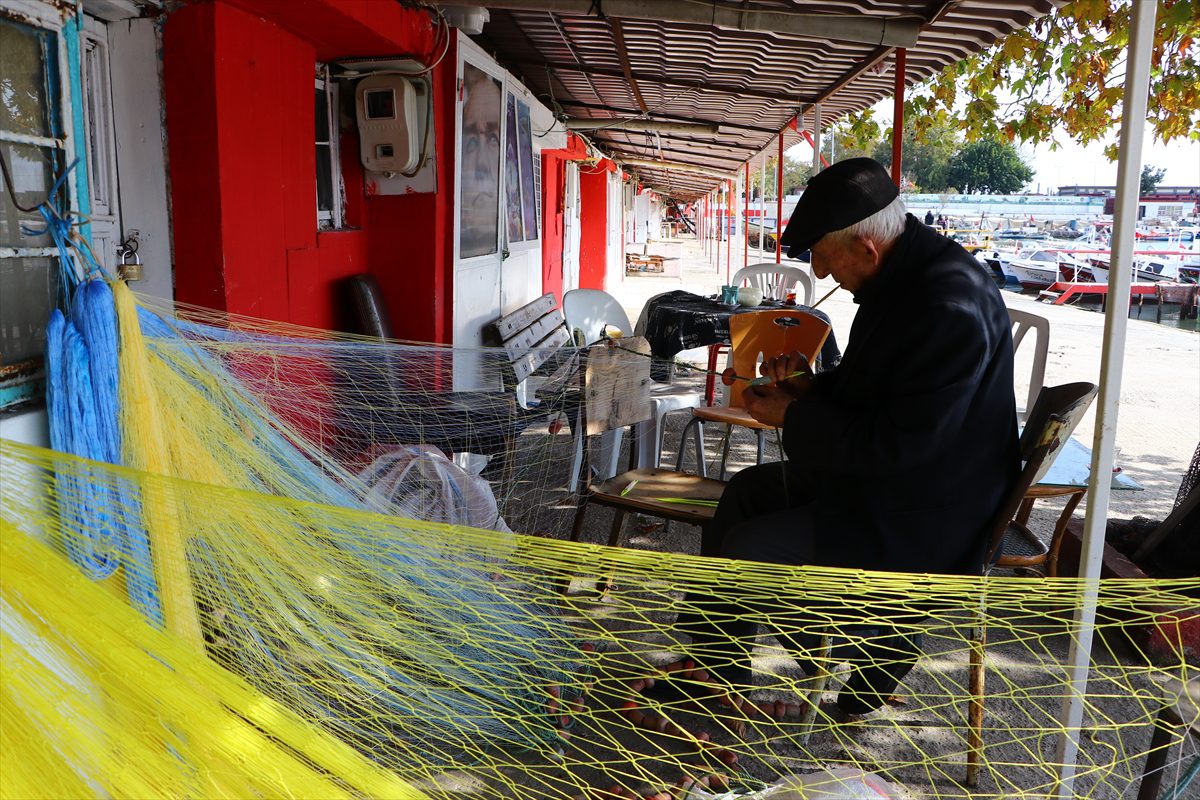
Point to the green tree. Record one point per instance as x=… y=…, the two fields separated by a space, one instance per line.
x=795 y=175
x=1065 y=73
x=1151 y=177
x=988 y=167
x=926 y=154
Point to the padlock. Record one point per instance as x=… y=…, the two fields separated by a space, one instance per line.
x=129 y=271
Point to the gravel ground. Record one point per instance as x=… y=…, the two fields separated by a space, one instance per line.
x=1158 y=427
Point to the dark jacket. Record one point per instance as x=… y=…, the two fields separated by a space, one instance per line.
x=910 y=444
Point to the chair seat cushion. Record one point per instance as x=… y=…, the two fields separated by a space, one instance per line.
x=662 y=492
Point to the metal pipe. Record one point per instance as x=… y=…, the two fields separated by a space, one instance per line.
x=1116 y=320
x=674 y=165
x=641 y=125
x=729 y=223
x=746 y=216
x=779 y=203
x=898 y=114
x=816 y=139
x=883 y=31
x=762 y=204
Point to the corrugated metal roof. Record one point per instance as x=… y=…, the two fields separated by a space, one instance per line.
x=751 y=83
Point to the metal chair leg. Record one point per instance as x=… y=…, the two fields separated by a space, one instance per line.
x=694 y=426
x=762 y=439
x=725 y=448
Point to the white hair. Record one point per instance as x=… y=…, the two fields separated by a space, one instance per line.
x=882 y=227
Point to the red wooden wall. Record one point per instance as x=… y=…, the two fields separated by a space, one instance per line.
x=594 y=222
x=238 y=80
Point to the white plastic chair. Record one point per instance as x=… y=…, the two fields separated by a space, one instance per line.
x=775 y=281
x=588 y=311
x=1022 y=323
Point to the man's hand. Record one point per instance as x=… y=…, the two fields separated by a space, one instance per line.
x=768 y=403
x=782 y=369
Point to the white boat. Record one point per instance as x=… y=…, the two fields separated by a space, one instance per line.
x=1037 y=269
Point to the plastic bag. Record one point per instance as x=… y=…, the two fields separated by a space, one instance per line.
x=843 y=783
x=419 y=482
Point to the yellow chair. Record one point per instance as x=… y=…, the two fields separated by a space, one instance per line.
x=755 y=337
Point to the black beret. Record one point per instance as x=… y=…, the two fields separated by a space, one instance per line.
x=837 y=197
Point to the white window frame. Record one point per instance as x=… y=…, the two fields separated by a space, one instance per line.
x=333 y=219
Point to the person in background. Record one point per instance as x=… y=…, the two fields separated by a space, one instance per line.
x=929 y=217
x=897 y=460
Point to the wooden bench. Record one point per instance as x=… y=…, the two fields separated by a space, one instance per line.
x=638 y=263
x=538 y=345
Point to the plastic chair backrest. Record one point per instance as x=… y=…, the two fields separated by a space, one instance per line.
x=1022 y=323
x=1049 y=425
x=776 y=281
x=759 y=335
x=589 y=310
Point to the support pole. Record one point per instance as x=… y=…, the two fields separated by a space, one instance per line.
x=762 y=205
x=719 y=232
x=898 y=114
x=746 y=214
x=816 y=139
x=730 y=200
x=779 y=203
x=1116 y=320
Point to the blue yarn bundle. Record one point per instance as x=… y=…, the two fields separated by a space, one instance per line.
x=82 y=367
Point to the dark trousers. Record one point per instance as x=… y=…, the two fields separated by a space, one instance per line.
x=765 y=515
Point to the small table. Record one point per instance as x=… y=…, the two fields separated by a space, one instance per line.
x=679 y=321
x=1067 y=477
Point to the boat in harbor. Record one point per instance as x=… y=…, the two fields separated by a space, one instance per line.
x=1042 y=268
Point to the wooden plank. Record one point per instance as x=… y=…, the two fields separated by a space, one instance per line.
x=510 y=325
x=617 y=385
x=527 y=363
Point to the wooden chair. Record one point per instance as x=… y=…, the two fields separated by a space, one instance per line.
x=616 y=393
x=775 y=281
x=1052 y=418
x=755 y=337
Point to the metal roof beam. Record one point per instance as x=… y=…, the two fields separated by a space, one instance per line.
x=640 y=77
x=623 y=55
x=675 y=117
x=889 y=31
x=657 y=126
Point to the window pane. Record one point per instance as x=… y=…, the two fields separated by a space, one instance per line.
x=324 y=177
x=30 y=288
x=32 y=171
x=322 y=120
x=22 y=80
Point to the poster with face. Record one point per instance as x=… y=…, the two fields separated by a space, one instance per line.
x=512 y=175
x=528 y=190
x=479 y=197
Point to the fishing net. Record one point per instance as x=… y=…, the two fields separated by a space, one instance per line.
x=247 y=607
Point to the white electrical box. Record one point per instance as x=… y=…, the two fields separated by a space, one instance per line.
x=389 y=131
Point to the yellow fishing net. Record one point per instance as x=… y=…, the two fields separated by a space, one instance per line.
x=297 y=633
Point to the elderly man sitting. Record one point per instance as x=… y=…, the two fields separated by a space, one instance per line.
x=897 y=459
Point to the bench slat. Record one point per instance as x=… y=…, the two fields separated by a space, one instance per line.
x=510 y=325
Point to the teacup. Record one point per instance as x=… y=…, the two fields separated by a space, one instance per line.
x=749 y=295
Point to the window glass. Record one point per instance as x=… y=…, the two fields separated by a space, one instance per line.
x=29 y=281
x=30 y=288
x=23 y=80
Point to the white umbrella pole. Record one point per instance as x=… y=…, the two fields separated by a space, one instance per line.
x=1116 y=318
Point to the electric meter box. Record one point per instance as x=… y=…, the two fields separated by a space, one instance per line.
x=389 y=133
